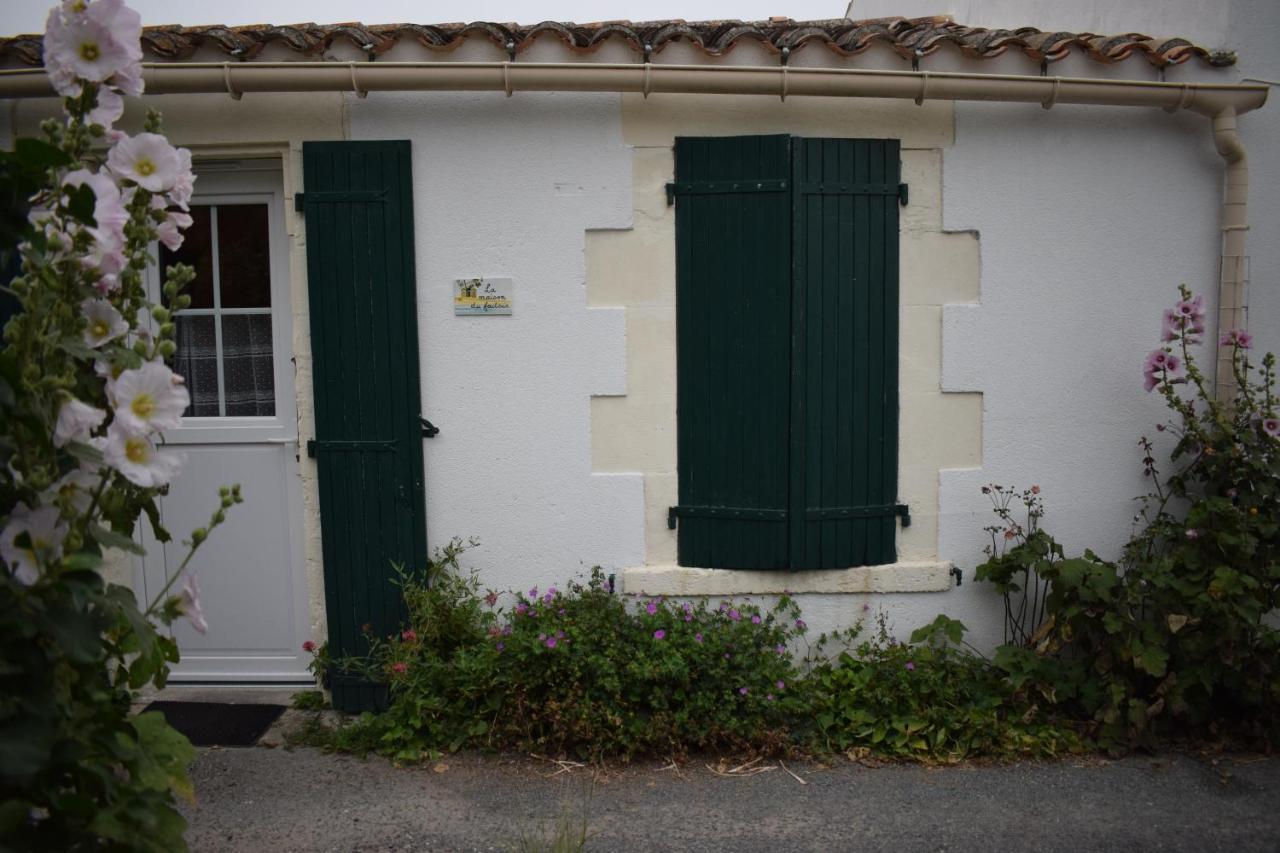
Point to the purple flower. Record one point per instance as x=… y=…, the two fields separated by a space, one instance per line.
x=744 y=691
x=911 y=665
x=866 y=605
x=559 y=635
x=780 y=649
x=659 y=634
x=800 y=624
x=550 y=595
x=562 y=611
x=780 y=684
x=533 y=611
x=1271 y=426
x=501 y=646
x=533 y=593
x=769 y=698
x=506 y=630
x=735 y=615
x=551 y=642
x=724 y=605
x=651 y=608
x=522 y=608
x=726 y=655
x=697 y=638
x=755 y=619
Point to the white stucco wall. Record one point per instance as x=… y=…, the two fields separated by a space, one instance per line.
x=509 y=187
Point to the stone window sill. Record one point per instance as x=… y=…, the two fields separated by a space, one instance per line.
x=683 y=581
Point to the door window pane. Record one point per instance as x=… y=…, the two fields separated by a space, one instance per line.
x=197 y=361
x=244 y=256
x=225 y=347
x=247 y=366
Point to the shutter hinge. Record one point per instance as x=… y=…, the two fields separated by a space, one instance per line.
x=902 y=510
x=299 y=202
x=902 y=200
x=671 y=199
x=671 y=511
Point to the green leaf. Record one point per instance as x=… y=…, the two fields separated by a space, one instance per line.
x=25 y=746
x=111 y=539
x=166 y=754
x=38 y=154
x=80 y=204
x=82 y=560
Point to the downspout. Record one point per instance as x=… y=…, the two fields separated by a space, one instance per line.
x=1232 y=299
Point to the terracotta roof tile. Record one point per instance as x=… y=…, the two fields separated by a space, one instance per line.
x=912 y=38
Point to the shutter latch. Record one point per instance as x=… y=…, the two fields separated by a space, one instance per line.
x=902 y=510
x=902 y=200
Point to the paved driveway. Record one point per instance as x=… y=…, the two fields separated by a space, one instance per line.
x=276 y=800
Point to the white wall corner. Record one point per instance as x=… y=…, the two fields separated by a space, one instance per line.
x=606 y=341
x=963 y=356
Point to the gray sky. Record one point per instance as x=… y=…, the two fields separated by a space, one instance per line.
x=25 y=16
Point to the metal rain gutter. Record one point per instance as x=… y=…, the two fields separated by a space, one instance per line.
x=1222 y=103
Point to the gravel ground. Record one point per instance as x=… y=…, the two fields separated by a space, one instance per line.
x=276 y=800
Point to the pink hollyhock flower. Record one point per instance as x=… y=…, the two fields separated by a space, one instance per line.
x=308 y=646
x=399 y=667
x=146 y=159
x=1236 y=338
x=189 y=604
x=1271 y=426
x=94 y=45
x=1191 y=312
x=1170 y=326
x=659 y=634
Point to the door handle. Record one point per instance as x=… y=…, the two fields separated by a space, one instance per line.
x=429 y=430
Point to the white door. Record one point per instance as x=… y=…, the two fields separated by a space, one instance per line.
x=234 y=349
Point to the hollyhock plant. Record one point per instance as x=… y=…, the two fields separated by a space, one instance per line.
x=85 y=397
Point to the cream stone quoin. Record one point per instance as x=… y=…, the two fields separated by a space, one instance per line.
x=1035 y=253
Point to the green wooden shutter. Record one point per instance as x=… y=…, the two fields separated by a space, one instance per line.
x=845 y=361
x=787 y=337
x=364 y=343
x=733 y=259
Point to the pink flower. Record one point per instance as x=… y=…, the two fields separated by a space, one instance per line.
x=1035 y=490
x=743 y=690
x=491 y=597
x=409 y=635
x=768 y=698
x=755 y=619
x=780 y=649
x=659 y=634
x=1170 y=327
x=1191 y=313
x=651 y=608
x=1271 y=426
x=801 y=625
x=93 y=43
x=308 y=646
x=400 y=667
x=1236 y=338
x=550 y=595
x=735 y=615
x=1192 y=533
x=697 y=638
x=495 y=631
x=551 y=642
x=522 y=608
x=781 y=685
x=146 y=159
x=911 y=665
x=189 y=604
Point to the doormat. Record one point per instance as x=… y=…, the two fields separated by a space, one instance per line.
x=218 y=723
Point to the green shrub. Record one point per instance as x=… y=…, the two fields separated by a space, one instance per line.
x=927 y=700
x=579 y=671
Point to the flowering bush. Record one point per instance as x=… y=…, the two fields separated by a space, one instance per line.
x=1174 y=634
x=577 y=671
x=84 y=397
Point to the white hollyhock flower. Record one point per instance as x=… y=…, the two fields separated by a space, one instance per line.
x=149 y=398
x=184 y=184
x=109 y=109
x=138 y=459
x=45 y=532
x=129 y=80
x=105 y=322
x=189 y=603
x=75 y=421
x=76 y=486
x=88 y=48
x=146 y=159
